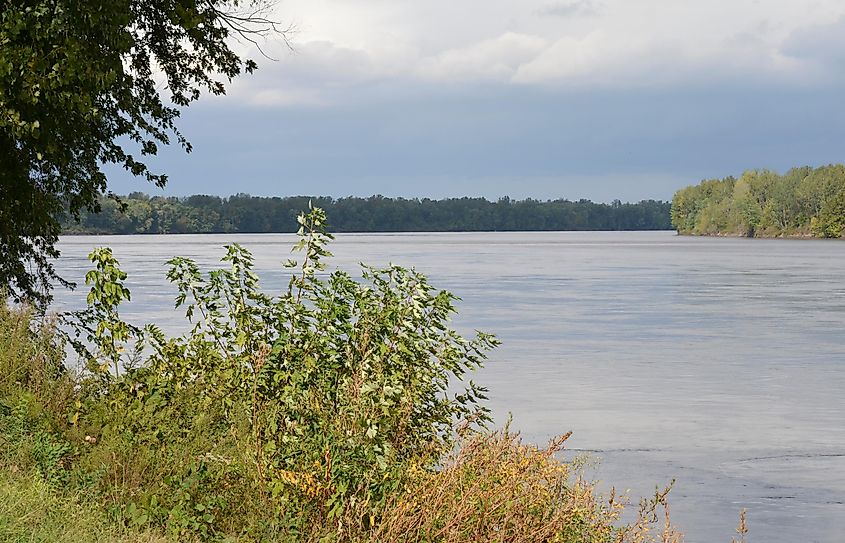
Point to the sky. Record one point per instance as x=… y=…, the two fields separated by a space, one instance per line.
x=598 y=99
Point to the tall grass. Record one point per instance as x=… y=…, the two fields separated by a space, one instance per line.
x=31 y=358
x=38 y=503
x=32 y=512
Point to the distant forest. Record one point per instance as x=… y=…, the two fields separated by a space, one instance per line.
x=803 y=202
x=139 y=213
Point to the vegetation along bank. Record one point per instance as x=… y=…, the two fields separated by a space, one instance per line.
x=325 y=413
x=803 y=202
x=139 y=213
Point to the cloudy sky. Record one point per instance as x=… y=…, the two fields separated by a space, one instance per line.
x=599 y=99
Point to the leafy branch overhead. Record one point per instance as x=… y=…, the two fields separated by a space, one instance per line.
x=85 y=83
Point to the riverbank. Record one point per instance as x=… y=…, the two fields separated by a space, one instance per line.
x=802 y=201
x=321 y=414
x=70 y=472
x=801 y=235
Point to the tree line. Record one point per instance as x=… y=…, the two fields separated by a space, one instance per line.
x=139 y=213
x=803 y=202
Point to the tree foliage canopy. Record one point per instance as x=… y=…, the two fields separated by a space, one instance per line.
x=80 y=87
x=244 y=213
x=802 y=202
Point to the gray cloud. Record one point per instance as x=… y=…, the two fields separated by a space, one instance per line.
x=823 y=44
x=618 y=105
x=570 y=9
x=491 y=141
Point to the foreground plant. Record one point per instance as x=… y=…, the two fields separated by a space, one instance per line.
x=320 y=397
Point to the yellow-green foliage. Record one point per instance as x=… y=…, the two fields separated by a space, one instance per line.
x=830 y=222
x=32 y=512
x=802 y=202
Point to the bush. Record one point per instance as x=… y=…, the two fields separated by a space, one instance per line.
x=317 y=400
x=831 y=220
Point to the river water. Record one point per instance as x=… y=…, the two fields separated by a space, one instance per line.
x=716 y=362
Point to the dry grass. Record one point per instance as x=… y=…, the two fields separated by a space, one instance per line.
x=495 y=488
x=742 y=528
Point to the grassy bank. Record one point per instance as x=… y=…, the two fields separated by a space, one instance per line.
x=33 y=512
x=322 y=414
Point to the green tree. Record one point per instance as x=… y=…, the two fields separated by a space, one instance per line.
x=244 y=213
x=817 y=187
x=683 y=210
x=746 y=206
x=801 y=202
x=80 y=87
x=831 y=220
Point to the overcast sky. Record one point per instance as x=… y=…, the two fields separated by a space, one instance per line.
x=599 y=99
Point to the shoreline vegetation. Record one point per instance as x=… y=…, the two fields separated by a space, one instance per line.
x=326 y=413
x=802 y=203
x=138 y=213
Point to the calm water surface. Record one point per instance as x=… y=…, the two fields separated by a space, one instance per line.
x=717 y=362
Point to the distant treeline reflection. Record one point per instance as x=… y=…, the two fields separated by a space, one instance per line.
x=139 y=213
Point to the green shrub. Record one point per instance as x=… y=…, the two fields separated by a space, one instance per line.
x=318 y=399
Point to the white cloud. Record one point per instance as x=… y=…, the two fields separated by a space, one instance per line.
x=595 y=58
x=494 y=59
x=315 y=73
x=285 y=97
x=606 y=60
x=569 y=9
x=352 y=44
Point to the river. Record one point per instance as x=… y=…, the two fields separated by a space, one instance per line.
x=717 y=362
